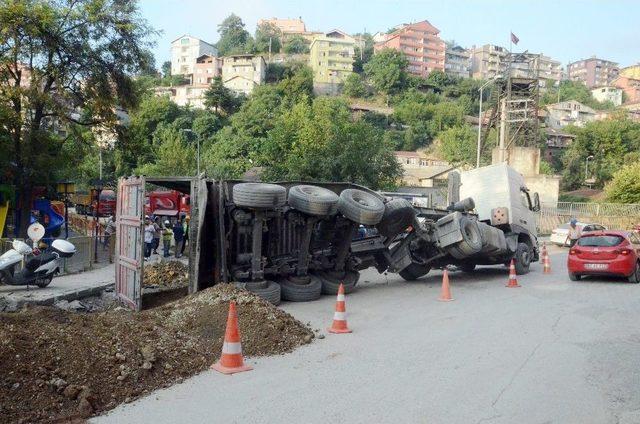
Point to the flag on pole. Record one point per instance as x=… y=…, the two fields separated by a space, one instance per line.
x=514 y=39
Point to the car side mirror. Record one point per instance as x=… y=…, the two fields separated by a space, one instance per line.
x=536 y=202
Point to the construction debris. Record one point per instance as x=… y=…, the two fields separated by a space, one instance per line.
x=166 y=274
x=58 y=364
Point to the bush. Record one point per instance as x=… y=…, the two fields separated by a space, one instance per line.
x=354 y=86
x=625 y=185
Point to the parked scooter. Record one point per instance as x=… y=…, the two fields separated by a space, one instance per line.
x=38 y=267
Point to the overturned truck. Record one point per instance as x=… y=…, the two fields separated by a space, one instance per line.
x=297 y=240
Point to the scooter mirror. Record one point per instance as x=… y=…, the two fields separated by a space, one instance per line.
x=21 y=247
x=35 y=232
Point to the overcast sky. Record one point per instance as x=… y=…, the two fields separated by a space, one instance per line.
x=566 y=30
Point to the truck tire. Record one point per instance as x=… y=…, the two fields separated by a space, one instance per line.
x=414 y=271
x=361 y=207
x=471 y=239
x=259 y=195
x=398 y=215
x=331 y=281
x=268 y=290
x=313 y=200
x=296 y=292
x=522 y=258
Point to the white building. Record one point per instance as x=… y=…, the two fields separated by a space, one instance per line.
x=611 y=94
x=559 y=115
x=241 y=73
x=184 y=52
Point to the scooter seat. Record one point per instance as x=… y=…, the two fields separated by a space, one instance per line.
x=37 y=261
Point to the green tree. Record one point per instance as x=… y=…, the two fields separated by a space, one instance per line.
x=219 y=98
x=625 y=185
x=233 y=36
x=457 y=145
x=296 y=45
x=174 y=155
x=267 y=35
x=59 y=57
x=363 y=51
x=387 y=71
x=298 y=83
x=166 y=68
x=354 y=86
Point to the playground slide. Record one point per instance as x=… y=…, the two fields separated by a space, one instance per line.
x=53 y=220
x=4 y=209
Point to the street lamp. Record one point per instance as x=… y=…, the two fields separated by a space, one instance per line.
x=478 y=147
x=187 y=130
x=586 y=168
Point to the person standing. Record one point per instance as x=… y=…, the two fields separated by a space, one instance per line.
x=167 y=235
x=178 y=236
x=574 y=233
x=156 y=234
x=149 y=231
x=110 y=234
x=185 y=227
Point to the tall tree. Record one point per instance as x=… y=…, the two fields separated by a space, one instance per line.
x=296 y=45
x=219 y=98
x=267 y=38
x=363 y=51
x=233 y=36
x=166 y=68
x=62 y=63
x=387 y=71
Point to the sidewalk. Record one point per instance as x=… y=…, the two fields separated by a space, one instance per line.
x=65 y=287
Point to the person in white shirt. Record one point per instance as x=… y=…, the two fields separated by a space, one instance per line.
x=149 y=231
x=574 y=233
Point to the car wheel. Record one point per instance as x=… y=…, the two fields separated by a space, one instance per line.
x=574 y=277
x=259 y=195
x=295 y=291
x=313 y=200
x=398 y=215
x=635 y=277
x=522 y=258
x=331 y=281
x=414 y=271
x=361 y=207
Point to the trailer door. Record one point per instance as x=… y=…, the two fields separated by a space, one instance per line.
x=129 y=241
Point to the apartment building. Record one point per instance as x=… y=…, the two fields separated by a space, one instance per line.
x=559 y=115
x=457 y=62
x=422 y=45
x=608 y=94
x=184 y=52
x=420 y=170
x=487 y=61
x=630 y=87
x=549 y=69
x=331 y=59
x=593 y=72
x=205 y=69
x=241 y=73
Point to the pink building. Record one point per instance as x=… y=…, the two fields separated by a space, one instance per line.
x=421 y=44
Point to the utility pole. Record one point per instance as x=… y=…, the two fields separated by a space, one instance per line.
x=269 y=61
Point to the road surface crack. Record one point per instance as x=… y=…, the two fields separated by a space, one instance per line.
x=515 y=374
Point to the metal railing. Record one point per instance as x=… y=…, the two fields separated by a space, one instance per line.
x=614 y=216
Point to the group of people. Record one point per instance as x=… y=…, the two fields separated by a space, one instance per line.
x=155 y=230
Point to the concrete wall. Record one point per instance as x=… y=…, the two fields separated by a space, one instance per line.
x=547 y=187
x=525 y=160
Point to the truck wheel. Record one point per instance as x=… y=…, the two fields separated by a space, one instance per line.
x=259 y=195
x=471 y=238
x=293 y=291
x=313 y=200
x=635 y=277
x=522 y=258
x=360 y=206
x=331 y=281
x=398 y=215
x=268 y=290
x=467 y=267
x=414 y=271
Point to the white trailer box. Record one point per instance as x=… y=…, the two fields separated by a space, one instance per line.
x=499 y=186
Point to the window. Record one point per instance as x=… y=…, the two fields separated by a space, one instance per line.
x=184 y=41
x=600 y=241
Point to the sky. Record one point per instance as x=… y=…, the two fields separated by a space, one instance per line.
x=566 y=30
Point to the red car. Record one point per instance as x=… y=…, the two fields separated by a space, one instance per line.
x=614 y=253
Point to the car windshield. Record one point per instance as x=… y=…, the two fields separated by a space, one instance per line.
x=107 y=195
x=600 y=241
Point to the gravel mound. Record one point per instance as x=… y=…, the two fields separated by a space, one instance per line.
x=166 y=274
x=60 y=365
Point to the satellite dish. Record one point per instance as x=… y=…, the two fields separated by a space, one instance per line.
x=35 y=232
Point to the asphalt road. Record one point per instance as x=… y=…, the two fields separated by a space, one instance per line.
x=552 y=351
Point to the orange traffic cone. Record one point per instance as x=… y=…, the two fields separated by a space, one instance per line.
x=231 y=360
x=546 y=263
x=445 y=294
x=340 y=315
x=513 y=282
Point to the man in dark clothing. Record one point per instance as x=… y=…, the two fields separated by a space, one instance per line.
x=178 y=236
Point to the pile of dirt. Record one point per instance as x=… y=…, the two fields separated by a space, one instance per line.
x=166 y=274
x=57 y=364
